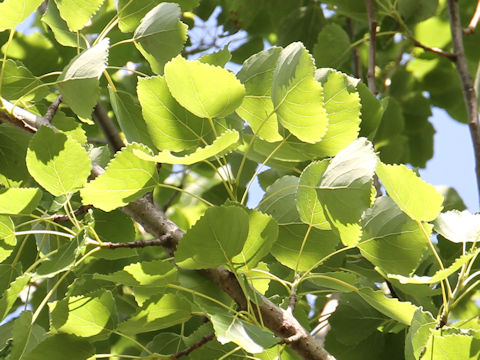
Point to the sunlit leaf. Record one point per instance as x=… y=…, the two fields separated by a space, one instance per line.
x=205 y=90
x=161 y=35
x=415 y=197
x=56 y=346
x=215 y=239
x=10 y=295
x=59 y=26
x=81 y=76
x=257 y=106
x=160 y=313
x=125 y=179
x=297 y=96
x=19 y=200
x=221 y=145
x=58 y=163
x=7 y=237
x=13 y=12
x=418 y=334
x=459 y=227
x=77 y=14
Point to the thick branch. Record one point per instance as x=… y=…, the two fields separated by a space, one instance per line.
x=108 y=128
x=281 y=322
x=373 y=45
x=17 y=113
x=468 y=89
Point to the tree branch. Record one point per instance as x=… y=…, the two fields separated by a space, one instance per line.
x=32 y=121
x=195 y=346
x=448 y=55
x=356 y=62
x=372 y=48
x=468 y=89
x=135 y=244
x=80 y=211
x=281 y=322
x=474 y=22
x=108 y=128
x=52 y=109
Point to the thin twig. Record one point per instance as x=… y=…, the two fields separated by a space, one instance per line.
x=83 y=209
x=435 y=50
x=468 y=89
x=52 y=109
x=195 y=346
x=474 y=22
x=109 y=130
x=97 y=141
x=172 y=198
x=161 y=241
x=372 y=48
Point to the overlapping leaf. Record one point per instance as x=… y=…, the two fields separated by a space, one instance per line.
x=416 y=198
x=418 y=334
x=345 y=189
x=459 y=227
x=18 y=82
x=56 y=346
x=59 y=26
x=58 y=163
x=13 y=12
x=19 y=200
x=170 y=126
x=257 y=106
x=297 y=96
x=13 y=146
x=81 y=76
x=215 y=239
x=390 y=239
x=160 y=313
x=205 y=90
x=126 y=178
x=10 y=295
x=223 y=144
x=161 y=35
x=7 y=237
x=77 y=14
x=84 y=316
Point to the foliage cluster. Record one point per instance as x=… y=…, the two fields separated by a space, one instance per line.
x=126 y=167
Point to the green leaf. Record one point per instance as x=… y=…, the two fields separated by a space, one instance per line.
x=418 y=334
x=84 y=316
x=372 y=111
x=262 y=233
x=451 y=347
x=215 y=239
x=412 y=11
x=56 y=346
x=345 y=189
x=257 y=106
x=70 y=127
x=125 y=179
x=459 y=227
x=416 y=198
x=7 y=237
x=25 y=335
x=170 y=126
x=398 y=310
x=300 y=247
x=297 y=96
x=153 y=274
x=81 y=76
x=332 y=48
x=13 y=149
x=59 y=26
x=440 y=274
x=390 y=239
x=205 y=90
x=161 y=35
x=58 y=163
x=229 y=328
x=13 y=12
x=279 y=200
x=19 y=200
x=129 y=116
x=308 y=205
x=160 y=313
x=62 y=260
x=342 y=103
x=223 y=144
x=114 y=227
x=10 y=295
x=18 y=82
x=77 y=14
x=218 y=58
